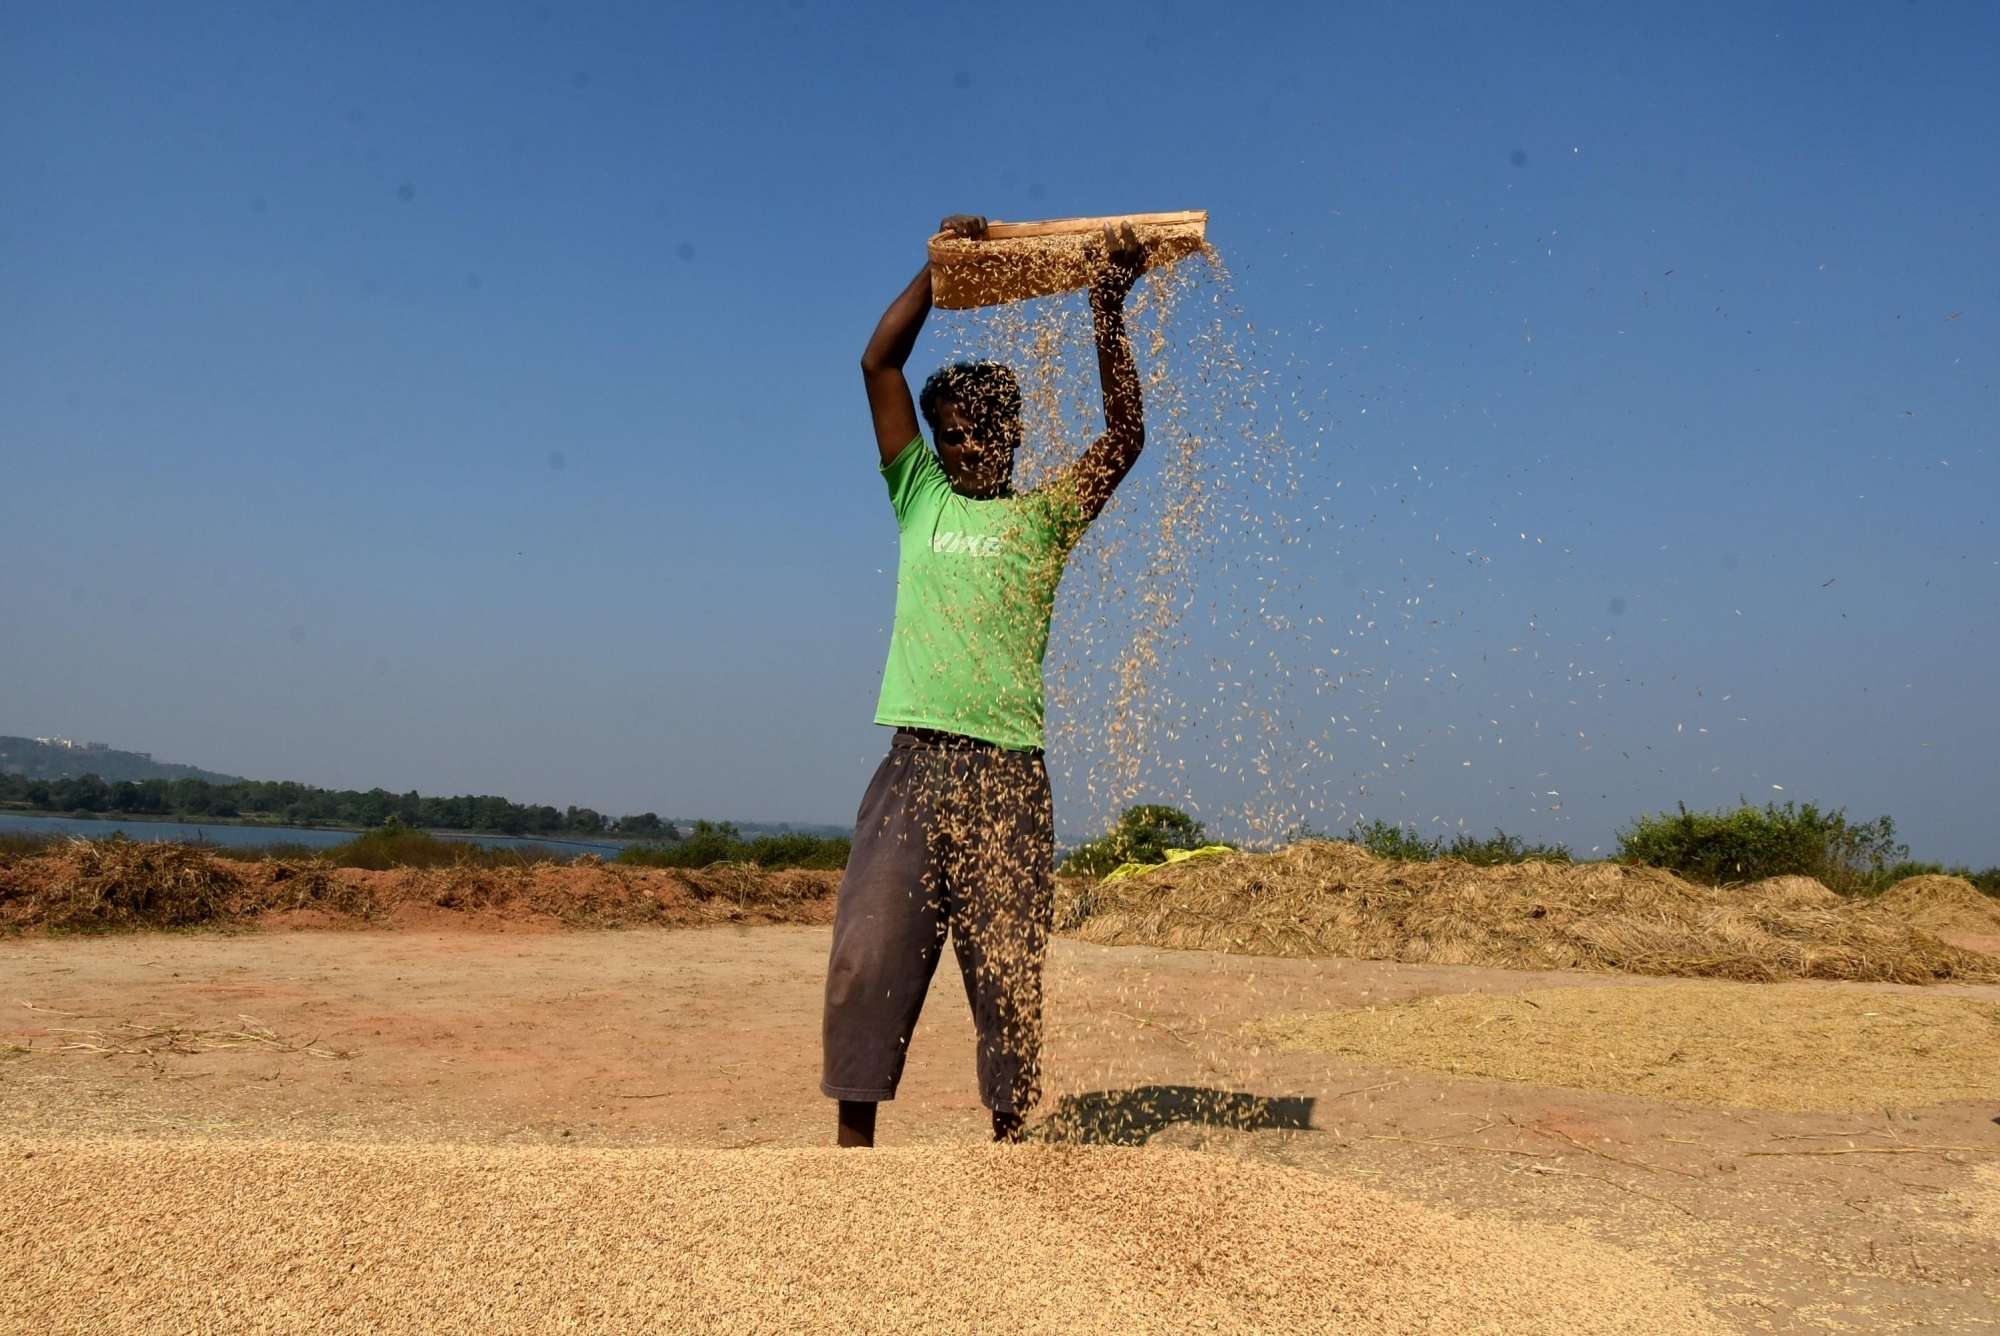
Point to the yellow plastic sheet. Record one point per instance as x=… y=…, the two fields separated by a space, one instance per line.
x=1124 y=870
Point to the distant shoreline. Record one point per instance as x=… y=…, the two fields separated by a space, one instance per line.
x=249 y=822
x=562 y=837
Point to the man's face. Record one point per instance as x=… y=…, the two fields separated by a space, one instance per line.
x=978 y=457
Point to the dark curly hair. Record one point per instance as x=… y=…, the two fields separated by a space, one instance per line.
x=987 y=391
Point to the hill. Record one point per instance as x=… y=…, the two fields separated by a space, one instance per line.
x=65 y=758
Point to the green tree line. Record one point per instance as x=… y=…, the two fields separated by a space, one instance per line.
x=292 y=804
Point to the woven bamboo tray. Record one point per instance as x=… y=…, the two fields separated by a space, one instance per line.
x=1017 y=261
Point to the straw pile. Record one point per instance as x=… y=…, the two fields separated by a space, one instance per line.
x=1795 y=1047
x=280 y=1236
x=1940 y=905
x=1793 y=893
x=1321 y=898
x=83 y=886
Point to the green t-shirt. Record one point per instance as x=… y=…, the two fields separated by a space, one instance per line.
x=975 y=588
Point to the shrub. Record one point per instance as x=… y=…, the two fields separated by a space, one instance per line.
x=393 y=846
x=1401 y=844
x=1500 y=847
x=712 y=842
x=1751 y=843
x=1394 y=842
x=1143 y=835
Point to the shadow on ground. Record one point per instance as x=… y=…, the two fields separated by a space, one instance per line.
x=1134 y=1116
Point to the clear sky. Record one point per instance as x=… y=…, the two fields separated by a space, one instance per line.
x=464 y=397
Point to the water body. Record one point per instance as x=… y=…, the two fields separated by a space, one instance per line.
x=188 y=832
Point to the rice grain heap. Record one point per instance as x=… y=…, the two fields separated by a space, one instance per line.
x=334 y=1238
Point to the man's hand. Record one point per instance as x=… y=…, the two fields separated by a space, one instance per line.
x=965 y=226
x=1124 y=261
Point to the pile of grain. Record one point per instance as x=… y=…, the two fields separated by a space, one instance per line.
x=1788 y=1046
x=282 y=1236
x=1320 y=898
x=82 y=886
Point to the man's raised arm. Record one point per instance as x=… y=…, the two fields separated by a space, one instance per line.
x=889 y=349
x=1104 y=465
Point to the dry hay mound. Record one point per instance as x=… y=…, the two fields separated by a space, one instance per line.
x=593 y=893
x=1795 y=1047
x=85 y=885
x=1794 y=893
x=1940 y=904
x=282 y=1236
x=1320 y=898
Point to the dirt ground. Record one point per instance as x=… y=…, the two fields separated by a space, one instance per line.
x=1785 y=1221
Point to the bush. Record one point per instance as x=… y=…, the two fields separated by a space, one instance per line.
x=712 y=842
x=1143 y=835
x=1500 y=847
x=1384 y=840
x=392 y=846
x=1751 y=843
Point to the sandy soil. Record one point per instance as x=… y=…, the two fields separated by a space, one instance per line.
x=708 y=1039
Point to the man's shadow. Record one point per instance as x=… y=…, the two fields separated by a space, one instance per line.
x=1131 y=1117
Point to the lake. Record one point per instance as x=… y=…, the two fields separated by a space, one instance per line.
x=33 y=823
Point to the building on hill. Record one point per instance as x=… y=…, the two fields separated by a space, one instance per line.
x=71 y=744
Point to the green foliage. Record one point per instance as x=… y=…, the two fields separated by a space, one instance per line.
x=1500 y=847
x=1751 y=843
x=1143 y=835
x=711 y=842
x=1384 y=840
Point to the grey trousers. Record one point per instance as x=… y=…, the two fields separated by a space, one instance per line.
x=955 y=837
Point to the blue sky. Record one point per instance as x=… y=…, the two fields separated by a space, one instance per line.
x=464 y=397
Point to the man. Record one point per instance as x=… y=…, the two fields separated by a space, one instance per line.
x=956 y=832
